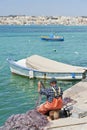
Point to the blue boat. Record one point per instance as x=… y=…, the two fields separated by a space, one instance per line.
x=52 y=37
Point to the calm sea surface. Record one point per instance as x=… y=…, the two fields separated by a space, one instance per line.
x=19 y=94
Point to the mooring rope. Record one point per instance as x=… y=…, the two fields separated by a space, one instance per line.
x=40 y=96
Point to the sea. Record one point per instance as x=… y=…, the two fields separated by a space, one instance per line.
x=19 y=94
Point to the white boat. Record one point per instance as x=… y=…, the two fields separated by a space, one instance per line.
x=37 y=66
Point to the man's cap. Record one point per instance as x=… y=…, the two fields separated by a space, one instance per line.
x=53 y=80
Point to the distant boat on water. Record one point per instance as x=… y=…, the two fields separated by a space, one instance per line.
x=52 y=37
x=37 y=66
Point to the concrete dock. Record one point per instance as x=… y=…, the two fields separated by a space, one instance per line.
x=78 y=119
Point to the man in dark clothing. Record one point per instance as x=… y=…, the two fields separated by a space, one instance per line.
x=54 y=97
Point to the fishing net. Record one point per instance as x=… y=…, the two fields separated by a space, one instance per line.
x=31 y=120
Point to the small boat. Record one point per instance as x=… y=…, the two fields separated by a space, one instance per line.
x=52 y=38
x=37 y=66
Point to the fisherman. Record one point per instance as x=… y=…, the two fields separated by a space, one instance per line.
x=54 y=97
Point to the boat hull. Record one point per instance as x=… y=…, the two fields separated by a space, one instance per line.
x=52 y=39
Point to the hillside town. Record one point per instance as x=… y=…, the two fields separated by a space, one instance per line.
x=42 y=20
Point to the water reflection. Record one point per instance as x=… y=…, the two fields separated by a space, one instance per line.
x=29 y=86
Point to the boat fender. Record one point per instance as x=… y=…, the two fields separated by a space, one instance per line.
x=73 y=75
x=31 y=74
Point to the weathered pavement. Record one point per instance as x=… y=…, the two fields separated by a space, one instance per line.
x=78 y=120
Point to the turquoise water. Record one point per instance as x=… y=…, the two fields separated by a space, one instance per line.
x=19 y=94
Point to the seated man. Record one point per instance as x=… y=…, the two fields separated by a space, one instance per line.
x=54 y=97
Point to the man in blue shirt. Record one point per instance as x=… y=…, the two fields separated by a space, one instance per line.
x=54 y=97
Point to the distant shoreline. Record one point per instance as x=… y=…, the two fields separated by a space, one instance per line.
x=42 y=20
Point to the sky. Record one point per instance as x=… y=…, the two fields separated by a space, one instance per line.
x=43 y=7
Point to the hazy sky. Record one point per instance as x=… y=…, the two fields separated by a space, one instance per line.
x=43 y=7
